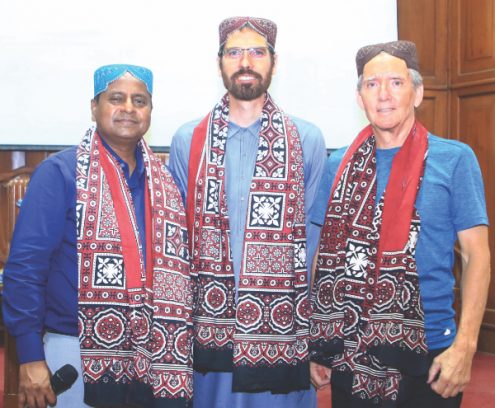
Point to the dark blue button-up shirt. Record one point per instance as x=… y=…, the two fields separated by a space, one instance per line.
x=40 y=277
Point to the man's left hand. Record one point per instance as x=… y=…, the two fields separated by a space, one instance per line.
x=450 y=371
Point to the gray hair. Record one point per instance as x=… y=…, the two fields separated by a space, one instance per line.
x=416 y=78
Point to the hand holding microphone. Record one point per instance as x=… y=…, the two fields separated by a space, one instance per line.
x=63 y=378
x=37 y=387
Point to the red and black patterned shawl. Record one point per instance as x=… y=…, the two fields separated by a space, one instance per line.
x=260 y=333
x=135 y=325
x=367 y=322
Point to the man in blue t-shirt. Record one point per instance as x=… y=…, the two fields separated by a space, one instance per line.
x=391 y=207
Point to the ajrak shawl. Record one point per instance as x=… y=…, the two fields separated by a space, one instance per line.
x=135 y=324
x=260 y=333
x=367 y=322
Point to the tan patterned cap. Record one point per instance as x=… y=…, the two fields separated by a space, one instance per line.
x=405 y=50
x=262 y=26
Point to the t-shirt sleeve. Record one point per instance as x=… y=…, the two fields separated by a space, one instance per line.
x=468 y=204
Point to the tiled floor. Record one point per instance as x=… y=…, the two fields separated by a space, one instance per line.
x=480 y=393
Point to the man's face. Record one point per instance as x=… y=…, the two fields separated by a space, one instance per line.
x=246 y=77
x=387 y=94
x=123 y=112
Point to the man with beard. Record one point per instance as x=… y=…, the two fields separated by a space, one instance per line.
x=249 y=172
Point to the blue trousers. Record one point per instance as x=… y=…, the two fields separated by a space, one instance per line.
x=61 y=350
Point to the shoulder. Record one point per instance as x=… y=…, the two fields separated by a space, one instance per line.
x=306 y=129
x=67 y=155
x=336 y=156
x=185 y=131
x=312 y=141
x=181 y=141
x=63 y=162
x=449 y=147
x=331 y=166
x=449 y=156
x=54 y=179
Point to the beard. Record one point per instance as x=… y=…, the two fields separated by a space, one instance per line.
x=247 y=92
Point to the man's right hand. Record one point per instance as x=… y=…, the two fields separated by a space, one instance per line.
x=320 y=375
x=35 y=390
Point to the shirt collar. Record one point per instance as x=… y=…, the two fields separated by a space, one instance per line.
x=387 y=152
x=253 y=129
x=138 y=171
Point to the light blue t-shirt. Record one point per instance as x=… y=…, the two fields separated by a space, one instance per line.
x=451 y=199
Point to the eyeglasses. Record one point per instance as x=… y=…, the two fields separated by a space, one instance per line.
x=238 y=52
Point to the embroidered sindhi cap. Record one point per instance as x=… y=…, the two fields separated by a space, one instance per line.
x=262 y=26
x=405 y=50
x=106 y=74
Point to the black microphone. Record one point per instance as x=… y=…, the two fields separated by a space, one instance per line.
x=63 y=378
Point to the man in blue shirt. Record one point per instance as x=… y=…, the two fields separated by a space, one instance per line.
x=250 y=174
x=391 y=207
x=98 y=272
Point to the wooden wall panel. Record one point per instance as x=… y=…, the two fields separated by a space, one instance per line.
x=472 y=42
x=473 y=122
x=5 y=161
x=425 y=23
x=433 y=112
x=487 y=334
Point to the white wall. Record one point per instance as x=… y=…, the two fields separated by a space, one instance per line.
x=50 y=49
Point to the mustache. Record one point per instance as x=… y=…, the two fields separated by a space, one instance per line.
x=126 y=117
x=244 y=71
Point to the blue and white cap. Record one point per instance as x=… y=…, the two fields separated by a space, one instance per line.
x=106 y=74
